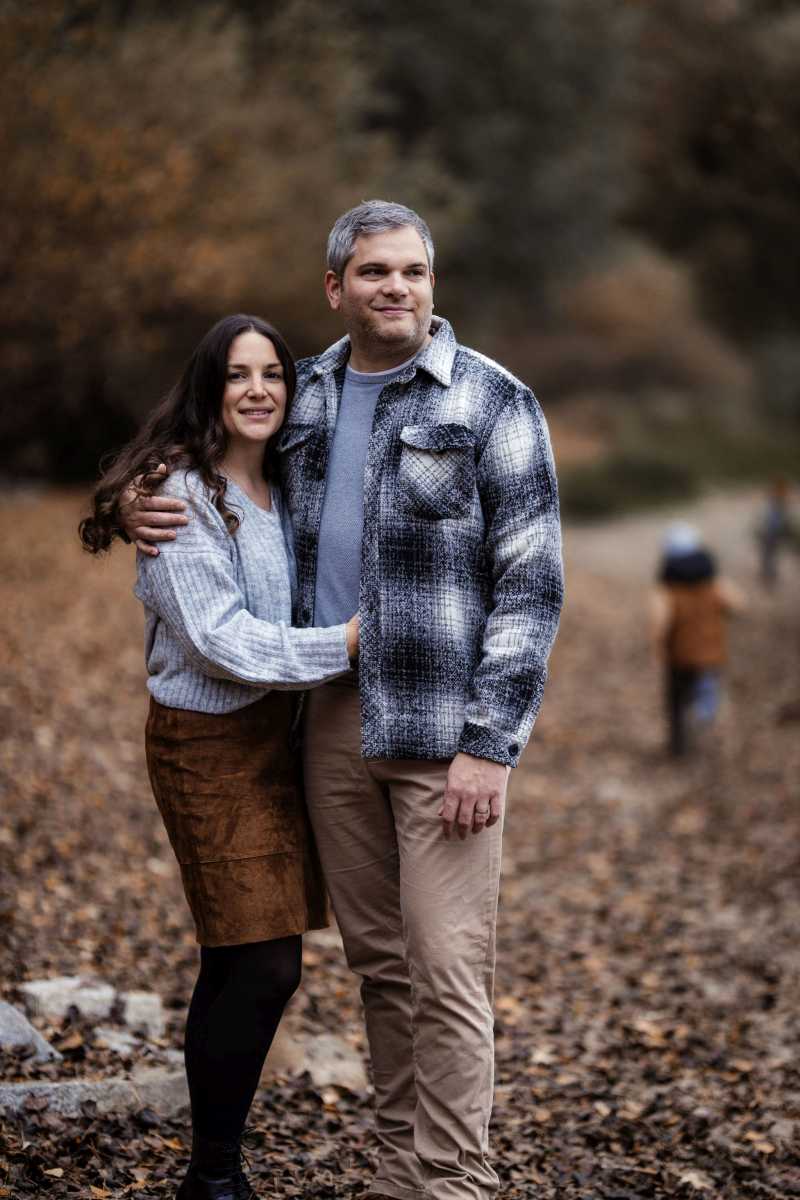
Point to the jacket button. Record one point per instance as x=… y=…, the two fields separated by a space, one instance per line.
x=513 y=748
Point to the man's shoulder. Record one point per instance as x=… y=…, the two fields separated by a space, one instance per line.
x=471 y=363
x=333 y=357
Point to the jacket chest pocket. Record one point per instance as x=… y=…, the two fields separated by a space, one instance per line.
x=436 y=476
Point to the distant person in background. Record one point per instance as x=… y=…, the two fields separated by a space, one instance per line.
x=773 y=530
x=690 y=609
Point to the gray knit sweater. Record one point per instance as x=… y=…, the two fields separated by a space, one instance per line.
x=218 y=609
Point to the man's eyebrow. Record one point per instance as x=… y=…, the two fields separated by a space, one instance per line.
x=384 y=266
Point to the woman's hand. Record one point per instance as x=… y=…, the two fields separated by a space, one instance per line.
x=352 y=631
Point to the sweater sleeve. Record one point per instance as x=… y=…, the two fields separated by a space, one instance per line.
x=192 y=587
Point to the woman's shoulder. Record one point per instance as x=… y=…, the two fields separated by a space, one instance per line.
x=185 y=483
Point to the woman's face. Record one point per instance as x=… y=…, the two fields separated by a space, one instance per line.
x=254 y=400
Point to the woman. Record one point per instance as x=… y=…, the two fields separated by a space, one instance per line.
x=221 y=657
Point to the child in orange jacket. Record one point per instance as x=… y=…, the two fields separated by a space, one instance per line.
x=690 y=609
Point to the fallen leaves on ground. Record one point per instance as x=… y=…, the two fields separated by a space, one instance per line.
x=648 y=950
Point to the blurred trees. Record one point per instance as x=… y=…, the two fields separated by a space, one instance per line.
x=718 y=152
x=167 y=164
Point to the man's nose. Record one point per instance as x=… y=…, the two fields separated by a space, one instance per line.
x=395 y=284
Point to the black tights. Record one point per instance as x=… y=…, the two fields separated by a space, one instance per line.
x=238 y=1000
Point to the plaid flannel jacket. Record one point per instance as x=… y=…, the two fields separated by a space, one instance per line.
x=461 y=578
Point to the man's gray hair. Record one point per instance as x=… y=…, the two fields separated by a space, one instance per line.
x=372 y=216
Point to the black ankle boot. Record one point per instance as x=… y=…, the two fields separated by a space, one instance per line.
x=215 y=1173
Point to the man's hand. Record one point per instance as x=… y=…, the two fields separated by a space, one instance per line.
x=352 y=630
x=474 y=795
x=147 y=519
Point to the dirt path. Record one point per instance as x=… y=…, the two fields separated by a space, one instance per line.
x=648 y=954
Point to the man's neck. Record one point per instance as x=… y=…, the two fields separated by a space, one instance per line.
x=369 y=358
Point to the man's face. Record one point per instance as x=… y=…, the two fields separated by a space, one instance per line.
x=386 y=293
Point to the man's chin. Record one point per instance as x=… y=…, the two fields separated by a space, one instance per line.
x=399 y=337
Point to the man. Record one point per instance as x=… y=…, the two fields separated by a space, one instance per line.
x=421 y=485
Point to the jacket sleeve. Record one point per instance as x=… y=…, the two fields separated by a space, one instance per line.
x=192 y=587
x=519 y=497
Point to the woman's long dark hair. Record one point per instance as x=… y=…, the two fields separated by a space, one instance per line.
x=184 y=430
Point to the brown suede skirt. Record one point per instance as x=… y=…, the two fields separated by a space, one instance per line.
x=229 y=792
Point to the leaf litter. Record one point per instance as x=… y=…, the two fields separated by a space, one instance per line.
x=648 y=958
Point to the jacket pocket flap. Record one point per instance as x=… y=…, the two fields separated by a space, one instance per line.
x=293 y=435
x=438 y=437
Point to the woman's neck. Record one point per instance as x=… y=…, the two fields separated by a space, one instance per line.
x=245 y=466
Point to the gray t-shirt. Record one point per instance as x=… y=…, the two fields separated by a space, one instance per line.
x=339 y=554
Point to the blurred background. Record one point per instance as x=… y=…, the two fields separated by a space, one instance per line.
x=614 y=191
x=613 y=186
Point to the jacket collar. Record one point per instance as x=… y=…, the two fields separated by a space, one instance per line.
x=437 y=357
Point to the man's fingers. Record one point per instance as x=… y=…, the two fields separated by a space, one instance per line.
x=146 y=548
x=163 y=504
x=154 y=517
x=448 y=812
x=495 y=811
x=150 y=533
x=466 y=812
x=480 y=817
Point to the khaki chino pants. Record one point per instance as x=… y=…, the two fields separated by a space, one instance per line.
x=417 y=915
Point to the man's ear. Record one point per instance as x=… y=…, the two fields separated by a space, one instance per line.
x=333 y=289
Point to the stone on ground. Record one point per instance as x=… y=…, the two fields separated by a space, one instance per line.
x=162 y=1089
x=328 y=1058
x=53 y=998
x=17 y=1033
x=144 y=1010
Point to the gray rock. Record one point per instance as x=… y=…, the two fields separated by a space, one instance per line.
x=165 y=1091
x=17 y=1033
x=286 y=1055
x=53 y=998
x=144 y=1010
x=118 y=1041
x=329 y=1060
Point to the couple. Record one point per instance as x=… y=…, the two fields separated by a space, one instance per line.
x=407 y=480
